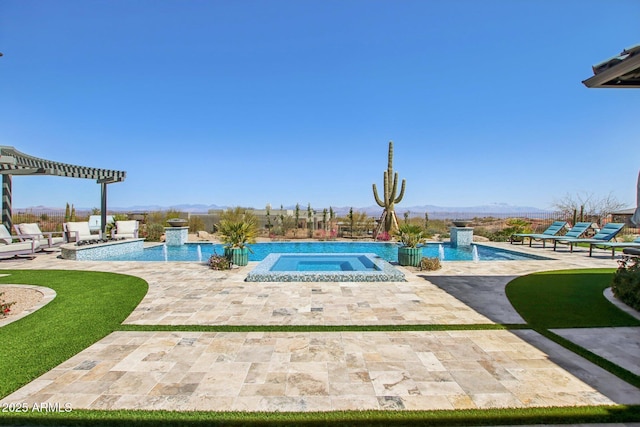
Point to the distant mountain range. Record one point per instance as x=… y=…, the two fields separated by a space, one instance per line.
x=374 y=210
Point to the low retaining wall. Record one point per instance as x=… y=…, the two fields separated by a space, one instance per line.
x=98 y=251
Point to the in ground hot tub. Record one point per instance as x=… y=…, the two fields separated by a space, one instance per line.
x=324 y=268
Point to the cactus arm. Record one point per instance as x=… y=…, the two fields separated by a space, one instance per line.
x=385 y=184
x=399 y=198
x=375 y=194
x=392 y=195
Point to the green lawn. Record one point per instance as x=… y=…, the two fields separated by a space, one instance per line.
x=567 y=299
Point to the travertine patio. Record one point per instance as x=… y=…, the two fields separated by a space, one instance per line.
x=308 y=371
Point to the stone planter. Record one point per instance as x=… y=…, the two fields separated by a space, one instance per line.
x=237 y=256
x=409 y=256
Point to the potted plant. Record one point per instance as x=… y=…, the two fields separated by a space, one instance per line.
x=237 y=229
x=411 y=236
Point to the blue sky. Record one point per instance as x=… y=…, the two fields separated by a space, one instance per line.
x=290 y=101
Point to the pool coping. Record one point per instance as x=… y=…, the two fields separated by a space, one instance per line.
x=386 y=273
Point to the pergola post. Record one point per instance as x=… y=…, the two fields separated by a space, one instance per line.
x=6 y=202
x=103 y=208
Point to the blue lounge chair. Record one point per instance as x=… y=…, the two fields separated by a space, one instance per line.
x=614 y=245
x=551 y=231
x=575 y=232
x=605 y=234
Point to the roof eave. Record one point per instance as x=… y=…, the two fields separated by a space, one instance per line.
x=604 y=79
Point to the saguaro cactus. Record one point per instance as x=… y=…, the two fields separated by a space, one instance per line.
x=389 y=198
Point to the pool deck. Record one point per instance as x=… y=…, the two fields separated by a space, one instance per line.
x=322 y=371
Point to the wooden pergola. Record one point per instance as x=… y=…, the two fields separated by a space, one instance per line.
x=13 y=162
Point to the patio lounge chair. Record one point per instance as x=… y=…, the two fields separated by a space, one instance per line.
x=553 y=230
x=32 y=231
x=77 y=231
x=10 y=249
x=605 y=234
x=576 y=231
x=614 y=245
x=125 y=229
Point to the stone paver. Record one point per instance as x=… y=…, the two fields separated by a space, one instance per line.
x=618 y=345
x=254 y=371
x=313 y=371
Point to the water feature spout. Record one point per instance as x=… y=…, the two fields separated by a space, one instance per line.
x=441 y=252
x=476 y=257
x=199 y=253
x=165 y=253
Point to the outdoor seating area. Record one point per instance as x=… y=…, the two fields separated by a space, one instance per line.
x=9 y=247
x=77 y=231
x=125 y=230
x=605 y=234
x=604 y=238
x=613 y=246
x=552 y=230
x=49 y=239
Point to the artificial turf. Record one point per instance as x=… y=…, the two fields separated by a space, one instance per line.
x=87 y=307
x=471 y=417
x=567 y=299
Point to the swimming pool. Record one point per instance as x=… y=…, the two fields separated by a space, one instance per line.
x=324 y=268
x=387 y=251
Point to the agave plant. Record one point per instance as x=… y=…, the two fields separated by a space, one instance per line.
x=410 y=235
x=238 y=228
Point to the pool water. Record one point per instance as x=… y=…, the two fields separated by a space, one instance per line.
x=314 y=267
x=323 y=263
x=387 y=251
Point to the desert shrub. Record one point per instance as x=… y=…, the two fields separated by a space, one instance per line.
x=219 y=262
x=513 y=226
x=626 y=282
x=437 y=226
x=430 y=264
x=154 y=232
x=173 y=213
x=156 y=216
x=195 y=224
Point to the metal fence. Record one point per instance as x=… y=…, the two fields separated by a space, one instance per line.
x=47 y=219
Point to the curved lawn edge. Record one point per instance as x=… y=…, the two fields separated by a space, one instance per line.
x=88 y=306
x=571 y=299
x=567 y=299
x=48 y=295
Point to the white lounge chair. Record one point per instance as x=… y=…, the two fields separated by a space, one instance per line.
x=9 y=248
x=32 y=231
x=77 y=231
x=125 y=229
